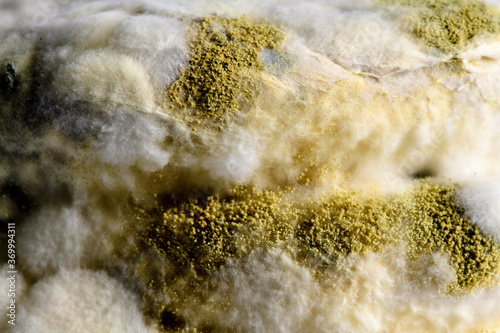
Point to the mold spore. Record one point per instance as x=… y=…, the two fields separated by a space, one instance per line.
x=224 y=60
x=201 y=237
x=450 y=26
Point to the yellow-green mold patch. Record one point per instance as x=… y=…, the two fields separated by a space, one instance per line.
x=439 y=224
x=197 y=237
x=224 y=58
x=345 y=223
x=202 y=235
x=449 y=25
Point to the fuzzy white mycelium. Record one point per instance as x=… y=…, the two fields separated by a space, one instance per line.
x=250 y=166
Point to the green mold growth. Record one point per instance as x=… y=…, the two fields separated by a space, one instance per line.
x=439 y=225
x=200 y=236
x=197 y=237
x=345 y=223
x=224 y=58
x=450 y=25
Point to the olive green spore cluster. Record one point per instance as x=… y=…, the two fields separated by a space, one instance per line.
x=344 y=223
x=450 y=25
x=199 y=236
x=224 y=59
x=439 y=225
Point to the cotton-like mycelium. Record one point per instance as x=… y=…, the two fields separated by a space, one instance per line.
x=287 y=166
